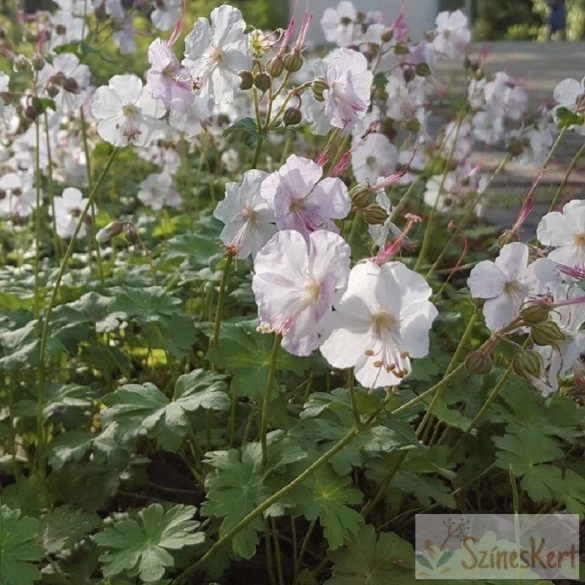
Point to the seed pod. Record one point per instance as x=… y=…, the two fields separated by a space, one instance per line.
x=292 y=117
x=527 y=364
x=38 y=62
x=547 y=333
x=263 y=82
x=375 y=215
x=478 y=363
x=247 y=80
x=535 y=313
x=276 y=67
x=293 y=61
x=361 y=196
x=319 y=87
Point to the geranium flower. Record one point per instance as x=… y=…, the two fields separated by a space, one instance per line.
x=296 y=281
x=452 y=34
x=68 y=208
x=17 y=195
x=504 y=98
x=381 y=321
x=166 y=80
x=373 y=157
x=214 y=55
x=124 y=35
x=248 y=219
x=509 y=281
x=126 y=113
x=156 y=191
x=338 y=23
x=166 y=13
x=301 y=200
x=570 y=93
x=565 y=231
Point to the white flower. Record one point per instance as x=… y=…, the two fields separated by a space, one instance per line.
x=296 y=281
x=373 y=157
x=216 y=54
x=17 y=195
x=156 y=191
x=338 y=23
x=382 y=320
x=405 y=101
x=68 y=208
x=166 y=14
x=7 y=111
x=191 y=120
x=570 y=94
x=488 y=127
x=124 y=35
x=379 y=233
x=349 y=84
x=302 y=200
x=231 y=160
x=504 y=98
x=565 y=231
x=126 y=113
x=248 y=219
x=508 y=282
x=452 y=35
x=70 y=77
x=67 y=27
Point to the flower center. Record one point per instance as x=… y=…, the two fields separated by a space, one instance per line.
x=216 y=54
x=312 y=291
x=250 y=215
x=130 y=111
x=580 y=240
x=296 y=205
x=512 y=287
x=383 y=323
x=371 y=162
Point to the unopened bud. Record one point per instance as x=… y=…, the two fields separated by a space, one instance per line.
x=423 y=70
x=527 y=364
x=547 y=333
x=401 y=49
x=535 y=313
x=263 y=82
x=22 y=64
x=276 y=67
x=70 y=84
x=478 y=363
x=292 y=117
x=413 y=125
x=52 y=91
x=131 y=233
x=112 y=230
x=319 y=87
x=247 y=80
x=375 y=215
x=387 y=35
x=361 y=196
x=38 y=62
x=31 y=112
x=408 y=73
x=293 y=61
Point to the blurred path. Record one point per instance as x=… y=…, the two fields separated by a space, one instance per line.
x=539 y=66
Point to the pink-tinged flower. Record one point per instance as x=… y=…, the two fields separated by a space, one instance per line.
x=68 y=208
x=508 y=282
x=215 y=54
x=570 y=94
x=166 y=80
x=302 y=200
x=156 y=191
x=565 y=232
x=248 y=219
x=382 y=320
x=349 y=83
x=124 y=36
x=296 y=281
x=166 y=13
x=338 y=23
x=126 y=113
x=373 y=157
x=504 y=98
x=452 y=35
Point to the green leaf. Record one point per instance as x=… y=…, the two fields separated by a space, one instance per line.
x=64 y=527
x=567 y=118
x=18 y=548
x=245 y=128
x=141 y=547
x=70 y=446
x=143 y=409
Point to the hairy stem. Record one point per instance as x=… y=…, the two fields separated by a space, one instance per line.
x=265 y=415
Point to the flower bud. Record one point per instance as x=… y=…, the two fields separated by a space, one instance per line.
x=319 y=87
x=292 y=117
x=31 y=112
x=293 y=61
x=478 y=363
x=263 y=82
x=408 y=73
x=375 y=215
x=527 y=364
x=361 y=196
x=401 y=49
x=387 y=35
x=22 y=64
x=413 y=125
x=276 y=67
x=113 y=229
x=535 y=313
x=546 y=333
x=38 y=62
x=70 y=84
x=52 y=90
x=131 y=233
x=247 y=80
x=423 y=70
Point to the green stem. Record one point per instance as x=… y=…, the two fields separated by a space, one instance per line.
x=559 y=194
x=37 y=305
x=298 y=561
x=265 y=415
x=354 y=407
x=277 y=552
x=68 y=253
x=257 y=152
x=56 y=241
x=220 y=301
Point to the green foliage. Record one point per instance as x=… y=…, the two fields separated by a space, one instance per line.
x=141 y=547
